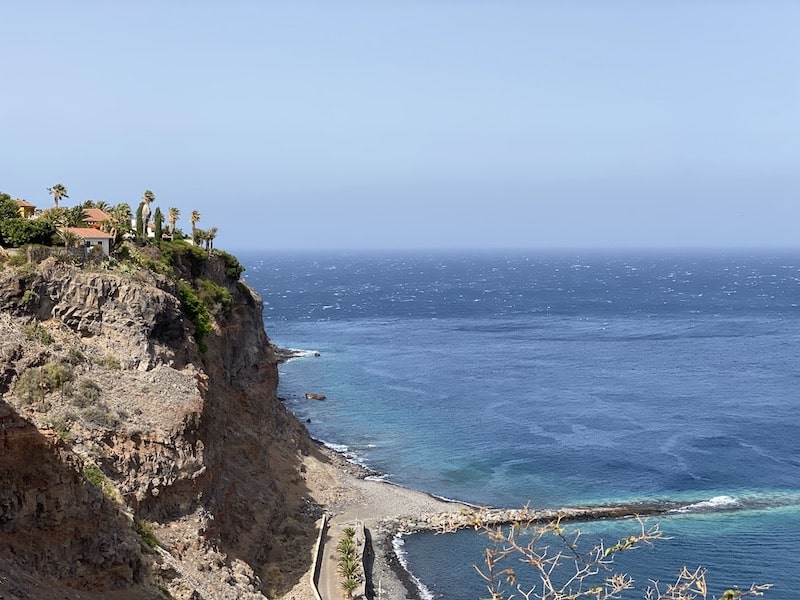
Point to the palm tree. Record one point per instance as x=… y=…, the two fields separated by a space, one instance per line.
x=194 y=219
x=120 y=222
x=210 y=235
x=174 y=213
x=71 y=239
x=58 y=191
x=76 y=217
x=57 y=215
x=147 y=198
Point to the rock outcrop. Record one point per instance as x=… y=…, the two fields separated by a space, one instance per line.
x=123 y=422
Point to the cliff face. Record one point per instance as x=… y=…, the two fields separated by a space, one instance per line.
x=113 y=420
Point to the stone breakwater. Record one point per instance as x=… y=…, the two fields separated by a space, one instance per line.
x=489 y=517
x=461 y=516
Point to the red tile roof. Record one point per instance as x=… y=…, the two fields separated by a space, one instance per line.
x=24 y=203
x=88 y=232
x=95 y=215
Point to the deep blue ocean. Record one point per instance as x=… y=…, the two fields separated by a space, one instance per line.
x=554 y=379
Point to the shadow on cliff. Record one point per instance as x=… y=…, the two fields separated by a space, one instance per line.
x=58 y=533
x=253 y=486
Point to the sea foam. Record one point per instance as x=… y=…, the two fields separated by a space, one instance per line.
x=397 y=545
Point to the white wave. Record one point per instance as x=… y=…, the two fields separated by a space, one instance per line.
x=340 y=448
x=715 y=503
x=397 y=544
x=301 y=353
x=453 y=500
x=350 y=455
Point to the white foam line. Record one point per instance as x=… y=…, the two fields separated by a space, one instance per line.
x=397 y=544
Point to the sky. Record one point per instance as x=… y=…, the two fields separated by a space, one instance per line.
x=415 y=124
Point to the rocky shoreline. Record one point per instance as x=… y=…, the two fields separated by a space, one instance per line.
x=389 y=510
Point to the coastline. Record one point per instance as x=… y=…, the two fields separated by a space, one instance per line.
x=350 y=492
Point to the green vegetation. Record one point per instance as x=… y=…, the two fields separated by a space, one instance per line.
x=93 y=474
x=58 y=191
x=8 y=208
x=185 y=252
x=61 y=427
x=172 y=219
x=233 y=268
x=34 y=331
x=74 y=356
x=35 y=383
x=63 y=217
x=86 y=393
x=140 y=220
x=212 y=295
x=145 y=531
x=29 y=296
x=349 y=564
x=109 y=361
x=201 y=298
x=194 y=218
x=99 y=415
x=167 y=254
x=197 y=313
x=17 y=232
x=158 y=224
x=97 y=478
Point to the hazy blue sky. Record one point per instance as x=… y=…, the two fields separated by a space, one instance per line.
x=347 y=124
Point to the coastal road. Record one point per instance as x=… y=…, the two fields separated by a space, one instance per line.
x=374 y=503
x=328 y=577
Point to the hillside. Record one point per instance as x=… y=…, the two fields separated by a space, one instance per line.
x=139 y=405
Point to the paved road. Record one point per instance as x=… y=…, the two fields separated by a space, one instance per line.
x=328 y=577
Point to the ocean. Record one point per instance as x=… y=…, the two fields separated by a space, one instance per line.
x=560 y=378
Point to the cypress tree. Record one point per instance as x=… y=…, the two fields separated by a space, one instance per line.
x=139 y=220
x=158 y=222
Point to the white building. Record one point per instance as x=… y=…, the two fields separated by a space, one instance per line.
x=92 y=237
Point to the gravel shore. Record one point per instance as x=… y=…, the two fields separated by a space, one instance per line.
x=348 y=493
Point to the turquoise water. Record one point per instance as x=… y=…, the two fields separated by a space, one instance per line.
x=559 y=379
x=736 y=549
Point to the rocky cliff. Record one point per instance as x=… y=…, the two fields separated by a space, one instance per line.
x=144 y=450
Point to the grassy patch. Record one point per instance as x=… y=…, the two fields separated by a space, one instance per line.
x=145 y=531
x=97 y=478
x=29 y=297
x=109 y=361
x=35 y=332
x=233 y=268
x=61 y=427
x=86 y=393
x=213 y=295
x=196 y=312
x=99 y=415
x=35 y=383
x=93 y=475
